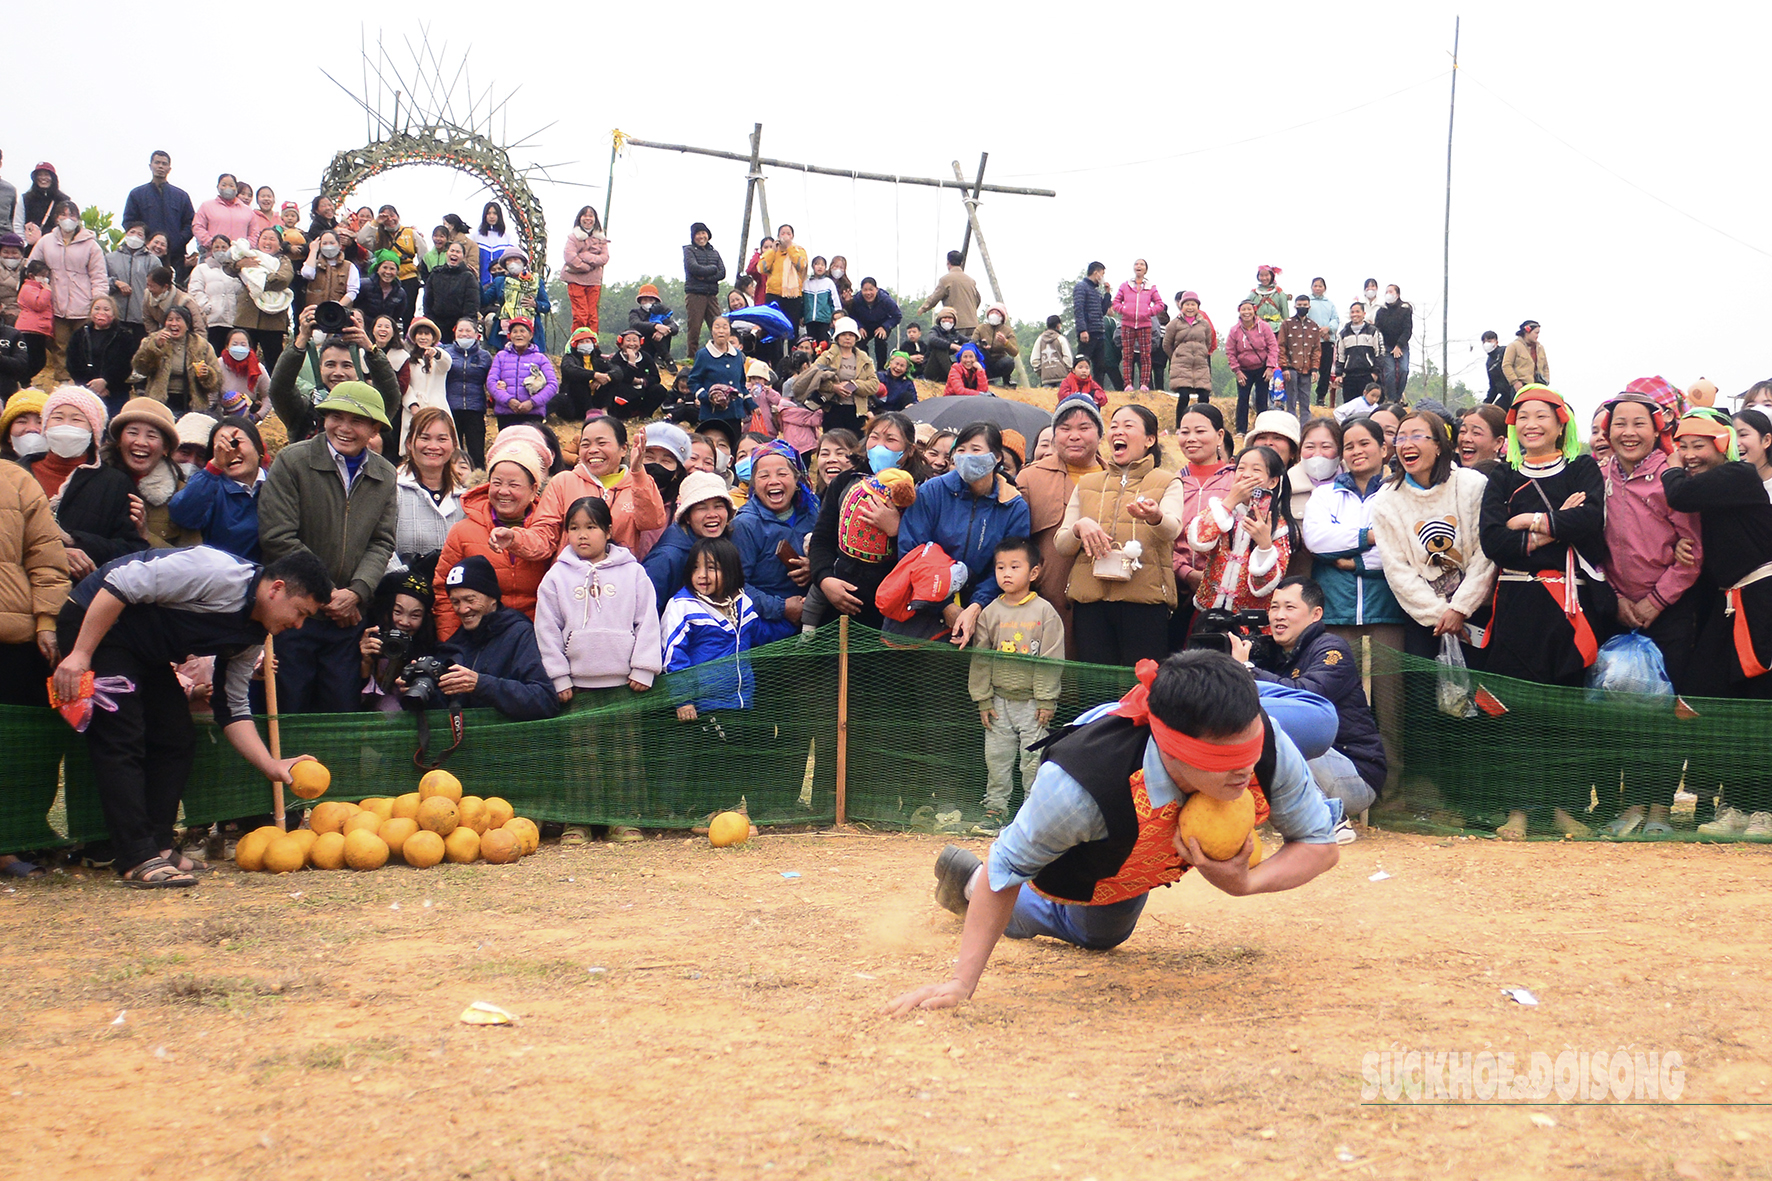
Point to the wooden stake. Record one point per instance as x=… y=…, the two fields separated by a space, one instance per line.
x=966 y=239
x=750 y=195
x=984 y=252
x=842 y=720
x=270 y=666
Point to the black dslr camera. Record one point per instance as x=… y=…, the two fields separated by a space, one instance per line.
x=421 y=681
x=1216 y=626
x=395 y=644
x=331 y=317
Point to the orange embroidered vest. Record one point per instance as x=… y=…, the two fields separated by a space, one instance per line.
x=1138 y=854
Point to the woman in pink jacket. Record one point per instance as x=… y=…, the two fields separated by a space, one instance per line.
x=1253 y=351
x=587 y=250
x=1138 y=305
x=76 y=277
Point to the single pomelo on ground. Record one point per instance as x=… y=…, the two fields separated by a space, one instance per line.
x=406 y=806
x=1255 y=853
x=396 y=831
x=729 y=828
x=330 y=816
x=249 y=854
x=462 y=846
x=309 y=779
x=472 y=813
x=362 y=822
x=525 y=831
x=439 y=783
x=365 y=850
x=423 y=849
x=328 y=851
x=284 y=855
x=500 y=846
x=498 y=812
x=1220 y=826
x=307 y=837
x=439 y=815
x=382 y=806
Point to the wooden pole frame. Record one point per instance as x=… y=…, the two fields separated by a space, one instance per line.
x=756 y=160
x=984 y=252
x=842 y=720
x=966 y=237
x=270 y=667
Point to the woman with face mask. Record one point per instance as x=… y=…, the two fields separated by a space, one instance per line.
x=93 y=507
x=77 y=276
x=1346 y=563
x=848 y=576
x=328 y=275
x=966 y=512
x=216 y=292
x=245 y=382
x=101 y=354
x=469 y=364
x=996 y=336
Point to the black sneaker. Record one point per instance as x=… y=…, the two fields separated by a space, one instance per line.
x=953 y=869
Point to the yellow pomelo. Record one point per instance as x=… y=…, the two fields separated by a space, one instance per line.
x=406 y=806
x=1255 y=853
x=498 y=812
x=249 y=854
x=309 y=779
x=382 y=806
x=500 y=846
x=365 y=850
x=472 y=811
x=362 y=822
x=439 y=815
x=328 y=851
x=395 y=832
x=423 y=849
x=284 y=855
x=307 y=837
x=439 y=783
x=526 y=833
x=462 y=846
x=330 y=816
x=729 y=828
x=1220 y=826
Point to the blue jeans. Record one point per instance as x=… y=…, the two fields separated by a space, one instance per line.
x=1094 y=927
x=1336 y=776
x=1394 y=373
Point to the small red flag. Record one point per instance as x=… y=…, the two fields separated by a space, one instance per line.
x=1488 y=702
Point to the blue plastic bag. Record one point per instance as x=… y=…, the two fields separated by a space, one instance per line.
x=1630 y=663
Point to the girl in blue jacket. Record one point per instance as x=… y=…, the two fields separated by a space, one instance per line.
x=220 y=499
x=709 y=620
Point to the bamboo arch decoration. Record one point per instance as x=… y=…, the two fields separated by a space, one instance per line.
x=452 y=147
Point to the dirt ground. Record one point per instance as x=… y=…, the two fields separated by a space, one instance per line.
x=688 y=1012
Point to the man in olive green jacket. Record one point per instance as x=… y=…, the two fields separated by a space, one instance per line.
x=333 y=496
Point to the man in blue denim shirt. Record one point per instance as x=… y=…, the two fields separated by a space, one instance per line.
x=1087 y=837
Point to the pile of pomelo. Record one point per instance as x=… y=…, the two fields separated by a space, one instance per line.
x=422 y=828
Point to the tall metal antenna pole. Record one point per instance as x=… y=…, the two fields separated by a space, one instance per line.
x=1446 y=259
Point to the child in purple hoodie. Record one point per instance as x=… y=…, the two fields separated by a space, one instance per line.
x=596 y=624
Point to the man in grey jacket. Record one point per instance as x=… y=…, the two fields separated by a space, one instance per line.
x=335 y=498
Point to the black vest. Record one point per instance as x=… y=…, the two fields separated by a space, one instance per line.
x=1103 y=756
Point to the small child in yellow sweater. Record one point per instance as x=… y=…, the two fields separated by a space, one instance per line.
x=1016 y=697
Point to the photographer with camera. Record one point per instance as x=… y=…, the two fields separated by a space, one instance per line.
x=403 y=631
x=1303 y=655
x=345 y=353
x=491 y=661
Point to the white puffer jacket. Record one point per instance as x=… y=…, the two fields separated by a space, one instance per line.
x=216 y=292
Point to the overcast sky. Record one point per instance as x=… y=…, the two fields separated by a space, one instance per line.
x=1204 y=140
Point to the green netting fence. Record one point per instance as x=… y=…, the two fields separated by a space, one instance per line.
x=914 y=750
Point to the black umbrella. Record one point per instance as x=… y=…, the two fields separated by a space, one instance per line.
x=952 y=413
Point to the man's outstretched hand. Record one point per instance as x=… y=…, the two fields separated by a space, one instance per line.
x=946 y=995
